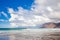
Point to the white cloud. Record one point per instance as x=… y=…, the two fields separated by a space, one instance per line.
x=12 y=17
x=33 y=17
x=38 y=6
x=49 y=9
x=11 y=10
x=13 y=25
x=58 y=4
x=4 y=14
x=25 y=16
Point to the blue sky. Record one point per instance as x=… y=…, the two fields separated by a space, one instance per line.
x=4 y=4
x=28 y=13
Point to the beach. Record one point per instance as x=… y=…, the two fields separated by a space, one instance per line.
x=31 y=34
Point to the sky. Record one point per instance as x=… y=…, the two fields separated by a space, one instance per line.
x=4 y=4
x=28 y=13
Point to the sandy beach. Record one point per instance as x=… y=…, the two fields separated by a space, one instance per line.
x=31 y=34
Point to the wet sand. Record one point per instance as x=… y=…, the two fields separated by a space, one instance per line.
x=31 y=34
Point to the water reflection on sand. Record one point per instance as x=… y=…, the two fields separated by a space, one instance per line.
x=31 y=34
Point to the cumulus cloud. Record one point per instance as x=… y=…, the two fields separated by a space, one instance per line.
x=48 y=8
x=24 y=17
x=41 y=11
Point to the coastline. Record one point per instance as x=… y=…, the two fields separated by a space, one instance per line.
x=31 y=34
